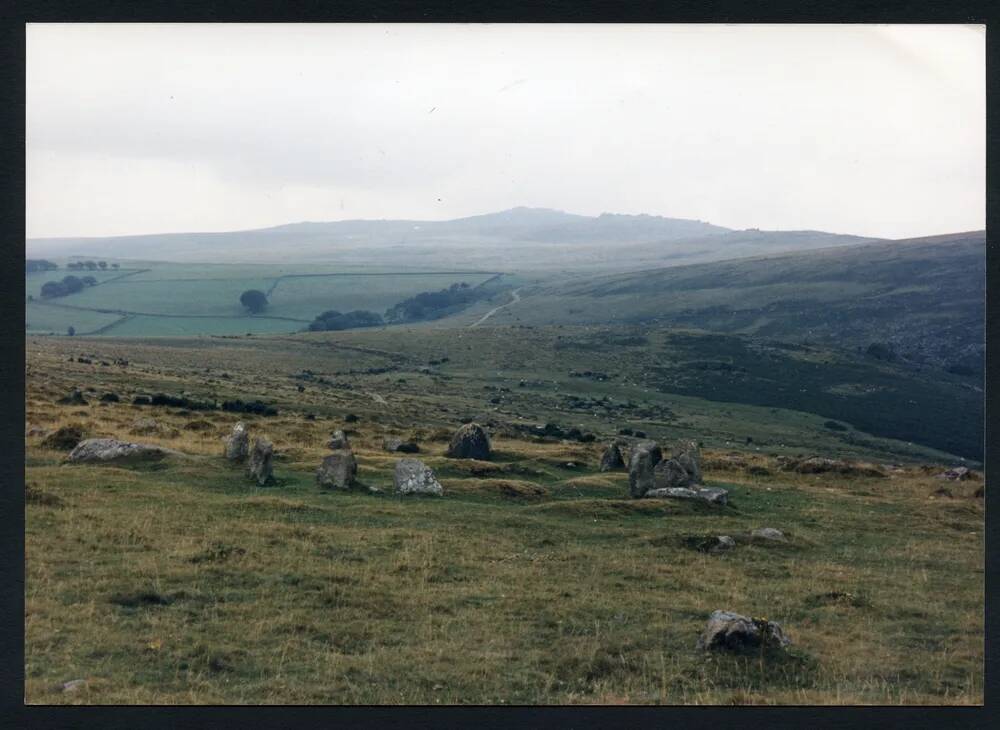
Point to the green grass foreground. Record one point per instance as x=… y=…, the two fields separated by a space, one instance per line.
x=184 y=585
x=533 y=580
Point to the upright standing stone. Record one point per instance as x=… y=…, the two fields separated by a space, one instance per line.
x=645 y=457
x=260 y=467
x=669 y=474
x=612 y=459
x=238 y=443
x=338 y=470
x=470 y=442
x=688 y=455
x=338 y=441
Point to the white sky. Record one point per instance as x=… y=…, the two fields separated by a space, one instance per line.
x=135 y=128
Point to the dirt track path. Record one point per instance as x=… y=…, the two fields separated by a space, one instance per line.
x=515 y=298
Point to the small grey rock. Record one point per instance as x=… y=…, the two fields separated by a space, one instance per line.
x=768 y=533
x=674 y=492
x=105 y=451
x=725 y=542
x=412 y=476
x=73 y=685
x=728 y=631
x=713 y=495
x=74 y=398
x=395 y=444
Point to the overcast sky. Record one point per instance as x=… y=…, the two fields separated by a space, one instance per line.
x=876 y=130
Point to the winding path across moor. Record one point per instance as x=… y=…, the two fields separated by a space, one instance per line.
x=515 y=298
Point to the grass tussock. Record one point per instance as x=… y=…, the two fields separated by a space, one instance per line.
x=505 y=489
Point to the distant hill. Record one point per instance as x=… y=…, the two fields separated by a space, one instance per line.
x=923 y=298
x=378 y=239
x=520 y=239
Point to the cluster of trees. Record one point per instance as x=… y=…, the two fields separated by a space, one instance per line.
x=89 y=265
x=334 y=320
x=31 y=265
x=69 y=285
x=426 y=305
x=434 y=305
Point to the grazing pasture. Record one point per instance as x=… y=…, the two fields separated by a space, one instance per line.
x=534 y=579
x=165 y=299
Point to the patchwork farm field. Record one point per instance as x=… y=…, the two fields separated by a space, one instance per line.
x=42 y=318
x=154 y=299
x=33 y=280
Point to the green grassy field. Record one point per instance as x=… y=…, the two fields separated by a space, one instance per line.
x=530 y=581
x=152 y=299
x=41 y=318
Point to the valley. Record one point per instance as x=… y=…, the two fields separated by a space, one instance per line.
x=828 y=389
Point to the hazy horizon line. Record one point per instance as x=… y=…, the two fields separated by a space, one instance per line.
x=487 y=213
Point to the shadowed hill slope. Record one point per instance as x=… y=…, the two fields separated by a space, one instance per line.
x=923 y=298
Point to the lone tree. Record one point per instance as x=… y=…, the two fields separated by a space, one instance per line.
x=71 y=331
x=254 y=300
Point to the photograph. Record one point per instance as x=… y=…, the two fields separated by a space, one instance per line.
x=503 y=364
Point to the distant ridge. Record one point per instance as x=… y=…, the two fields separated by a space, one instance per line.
x=518 y=239
x=514 y=218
